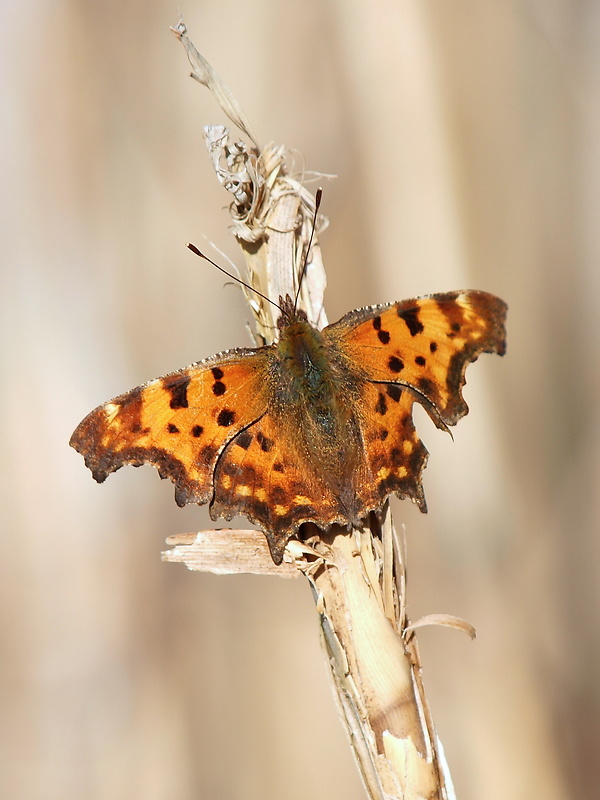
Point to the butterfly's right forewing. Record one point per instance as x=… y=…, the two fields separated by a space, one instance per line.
x=180 y=423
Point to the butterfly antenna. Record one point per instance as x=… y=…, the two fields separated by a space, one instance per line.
x=198 y=252
x=318 y=196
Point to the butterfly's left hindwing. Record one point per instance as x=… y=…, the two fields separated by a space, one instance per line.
x=395 y=456
x=179 y=423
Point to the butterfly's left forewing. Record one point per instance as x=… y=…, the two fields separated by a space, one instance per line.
x=425 y=345
x=179 y=423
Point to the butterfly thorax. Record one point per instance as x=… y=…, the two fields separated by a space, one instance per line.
x=309 y=374
x=301 y=352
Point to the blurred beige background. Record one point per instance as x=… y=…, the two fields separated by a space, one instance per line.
x=466 y=140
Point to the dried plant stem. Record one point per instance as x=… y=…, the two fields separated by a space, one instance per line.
x=358 y=578
x=375 y=665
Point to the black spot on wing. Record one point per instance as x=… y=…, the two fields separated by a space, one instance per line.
x=244 y=440
x=265 y=443
x=226 y=418
x=177 y=387
x=197 y=430
x=394 y=391
x=381 y=405
x=411 y=318
x=384 y=337
x=207 y=454
x=395 y=364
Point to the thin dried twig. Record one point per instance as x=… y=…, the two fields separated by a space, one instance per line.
x=358 y=579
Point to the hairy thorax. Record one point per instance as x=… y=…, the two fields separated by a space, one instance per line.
x=318 y=392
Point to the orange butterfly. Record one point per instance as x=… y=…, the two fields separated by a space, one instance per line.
x=316 y=427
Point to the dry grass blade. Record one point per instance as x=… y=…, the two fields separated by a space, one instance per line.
x=444 y=621
x=203 y=72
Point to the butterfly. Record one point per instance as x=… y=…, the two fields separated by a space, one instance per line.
x=316 y=427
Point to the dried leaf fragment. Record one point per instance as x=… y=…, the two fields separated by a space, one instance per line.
x=204 y=73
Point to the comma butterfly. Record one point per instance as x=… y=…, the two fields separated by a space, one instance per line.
x=316 y=427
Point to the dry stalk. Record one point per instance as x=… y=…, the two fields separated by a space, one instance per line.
x=358 y=579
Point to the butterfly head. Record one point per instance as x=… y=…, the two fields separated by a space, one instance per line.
x=289 y=313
